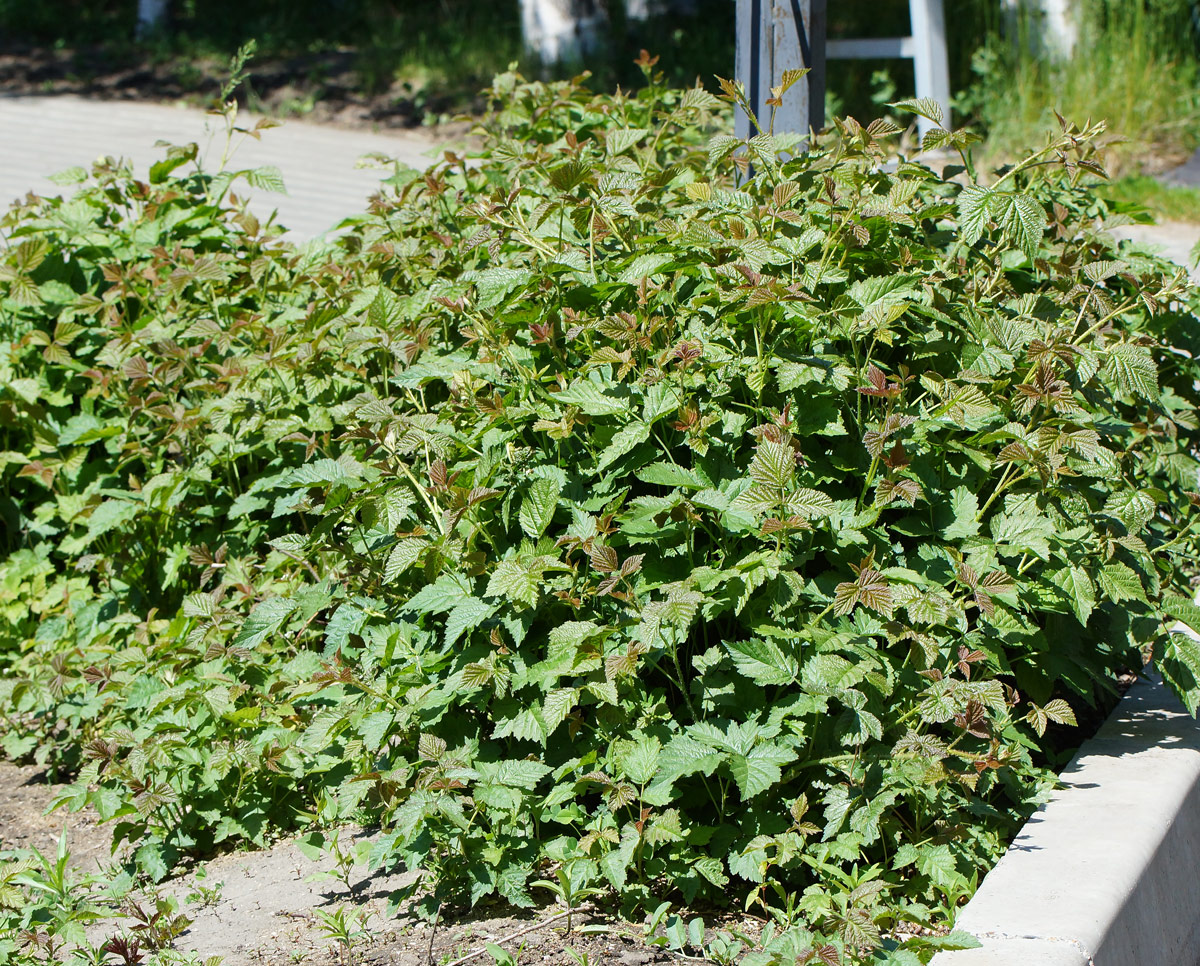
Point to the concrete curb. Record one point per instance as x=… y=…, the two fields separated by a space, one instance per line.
x=1107 y=873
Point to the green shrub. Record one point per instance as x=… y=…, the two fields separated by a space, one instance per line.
x=602 y=505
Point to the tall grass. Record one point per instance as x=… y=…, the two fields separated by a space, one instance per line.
x=1135 y=66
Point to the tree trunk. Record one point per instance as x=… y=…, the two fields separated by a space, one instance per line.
x=1044 y=27
x=644 y=9
x=562 y=30
x=152 y=15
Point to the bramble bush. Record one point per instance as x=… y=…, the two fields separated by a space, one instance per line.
x=691 y=517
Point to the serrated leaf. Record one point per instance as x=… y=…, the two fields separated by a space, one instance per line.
x=467 y=613
x=513 y=581
x=683 y=755
x=1077 y=585
x=263 y=621
x=267 y=178
x=1022 y=218
x=668 y=474
x=773 y=466
x=638 y=760
x=965 y=507
x=402 y=556
x=809 y=504
x=763 y=661
x=626 y=439
x=974 y=205
x=925 y=107
x=622 y=139
x=1133 y=369
x=1059 y=711
x=712 y=869
x=1134 y=508
x=538 y=506
x=1119 y=583
x=1179 y=664
x=591 y=399
x=440 y=596
x=760 y=769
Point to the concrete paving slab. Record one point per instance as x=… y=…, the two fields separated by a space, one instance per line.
x=1186 y=175
x=1171 y=239
x=42 y=135
x=1107 y=869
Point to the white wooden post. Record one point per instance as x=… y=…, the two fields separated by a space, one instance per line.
x=150 y=14
x=557 y=30
x=930 y=61
x=926 y=45
x=774 y=36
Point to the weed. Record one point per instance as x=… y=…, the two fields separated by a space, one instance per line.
x=345 y=928
x=502 y=957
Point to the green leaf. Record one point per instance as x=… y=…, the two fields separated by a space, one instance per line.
x=591 y=399
x=1133 y=508
x=1183 y=609
x=773 y=465
x=348 y=619
x=965 y=507
x=538 y=506
x=925 y=107
x=494 y=285
x=466 y=614
x=619 y=140
x=712 y=869
x=763 y=661
x=513 y=581
x=1077 y=585
x=440 y=596
x=668 y=474
x=263 y=621
x=973 y=208
x=639 y=760
x=1120 y=583
x=78 y=175
x=684 y=755
x=1179 y=664
x=615 y=863
x=760 y=769
x=267 y=178
x=624 y=440
x=515 y=773
x=402 y=556
x=1022 y=218
x=809 y=504
x=937 y=862
x=1133 y=369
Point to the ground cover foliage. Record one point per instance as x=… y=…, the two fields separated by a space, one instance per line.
x=626 y=510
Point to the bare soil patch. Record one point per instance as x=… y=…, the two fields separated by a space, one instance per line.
x=259 y=907
x=25 y=794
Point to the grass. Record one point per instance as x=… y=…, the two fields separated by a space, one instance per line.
x=1134 y=67
x=1164 y=202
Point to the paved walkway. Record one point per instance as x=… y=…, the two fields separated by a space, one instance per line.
x=42 y=135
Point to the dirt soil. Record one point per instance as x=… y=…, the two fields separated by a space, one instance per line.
x=251 y=908
x=320 y=87
x=25 y=795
